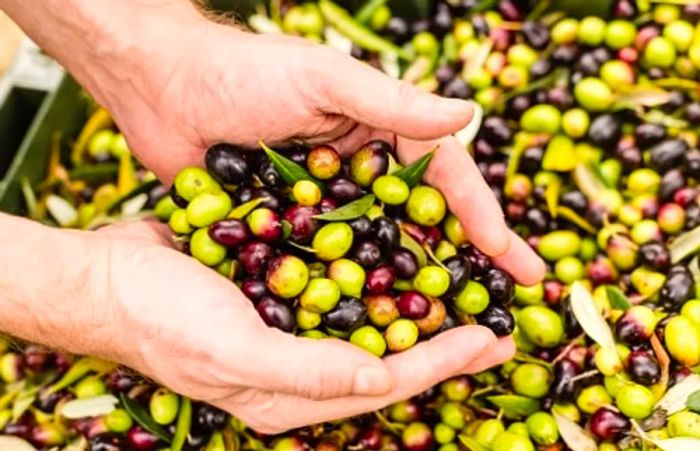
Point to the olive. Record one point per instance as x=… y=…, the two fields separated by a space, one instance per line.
x=141 y=439
x=542 y=428
x=593 y=94
x=387 y=233
x=369 y=338
x=536 y=34
x=323 y=162
x=208 y=418
x=678 y=288
x=500 y=286
x=671 y=182
x=229 y=232
x=635 y=401
x=367 y=254
x=684 y=424
x=667 y=154
x=417 y=437
x=227 y=164
x=287 y=276
x=404 y=263
x=348 y=315
x=479 y=261
x=206 y=250
x=254 y=257
x=381 y=309
x=541 y=325
x=176 y=198
x=303 y=223
x=361 y=227
x=269 y=175
x=321 y=295
x=496 y=131
x=276 y=314
x=343 y=190
x=332 y=241
x=648 y=134
x=607 y=424
x=243 y=194
x=605 y=130
x=413 y=305
x=306 y=193
x=498 y=319
x=107 y=443
x=349 y=276
x=432 y=281
x=265 y=224
x=401 y=334
x=457 y=88
x=369 y=162
x=636 y=325
x=643 y=368
x=509 y=441
x=530 y=379
x=191 y=182
x=380 y=279
x=164 y=406
x=682 y=339
x=426 y=206
x=254 y=289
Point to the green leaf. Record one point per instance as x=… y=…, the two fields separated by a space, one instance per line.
x=353 y=210
x=242 y=210
x=287 y=229
x=142 y=417
x=23 y=402
x=412 y=245
x=413 y=173
x=290 y=171
x=301 y=247
x=618 y=299
x=95 y=173
x=515 y=406
x=141 y=189
x=182 y=427
x=365 y=12
x=471 y=444
x=685 y=245
x=693 y=401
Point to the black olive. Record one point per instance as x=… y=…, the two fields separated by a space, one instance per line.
x=643 y=368
x=671 y=182
x=343 y=190
x=605 y=130
x=387 y=233
x=460 y=270
x=269 y=174
x=367 y=254
x=648 y=134
x=500 y=286
x=361 y=227
x=562 y=388
x=457 y=88
x=667 y=154
x=537 y=220
x=540 y=68
x=588 y=64
x=498 y=319
x=227 y=164
x=495 y=130
x=536 y=34
x=273 y=200
x=348 y=314
x=692 y=113
x=574 y=200
x=678 y=288
x=177 y=199
x=565 y=54
x=655 y=255
x=692 y=163
x=398 y=29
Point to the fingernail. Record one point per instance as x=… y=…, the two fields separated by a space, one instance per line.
x=370 y=380
x=456 y=107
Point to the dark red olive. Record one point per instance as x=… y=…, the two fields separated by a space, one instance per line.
x=276 y=314
x=327 y=204
x=36 y=358
x=343 y=190
x=380 y=279
x=346 y=316
x=500 y=286
x=562 y=388
x=413 y=305
x=304 y=225
x=141 y=439
x=498 y=319
x=254 y=289
x=643 y=368
x=655 y=255
x=120 y=380
x=227 y=164
x=387 y=233
x=606 y=424
x=229 y=232
x=370 y=438
x=405 y=263
x=367 y=254
x=254 y=256
x=417 y=437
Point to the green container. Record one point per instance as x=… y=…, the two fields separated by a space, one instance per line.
x=64 y=110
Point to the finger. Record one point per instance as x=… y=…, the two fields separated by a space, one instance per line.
x=152 y=231
x=317 y=369
x=521 y=261
x=454 y=173
x=367 y=95
x=501 y=352
x=417 y=369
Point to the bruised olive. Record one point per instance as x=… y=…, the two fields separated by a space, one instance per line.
x=323 y=162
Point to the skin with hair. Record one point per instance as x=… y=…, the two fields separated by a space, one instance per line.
x=176 y=83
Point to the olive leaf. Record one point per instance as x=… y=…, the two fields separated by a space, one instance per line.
x=693 y=401
x=467 y=134
x=353 y=210
x=290 y=171
x=574 y=435
x=471 y=444
x=413 y=173
x=573 y=217
x=589 y=317
x=675 y=398
x=668 y=444
x=95 y=173
x=143 y=418
x=263 y=25
x=642 y=95
x=24 y=401
x=287 y=229
x=10 y=442
x=588 y=181
x=89 y=407
x=407 y=241
x=61 y=210
x=79 y=444
x=140 y=189
x=242 y=210
x=80 y=369
x=183 y=425
x=618 y=299
x=685 y=245
x=364 y=13
x=659 y=388
x=515 y=406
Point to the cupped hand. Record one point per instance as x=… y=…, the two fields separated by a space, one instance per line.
x=192 y=330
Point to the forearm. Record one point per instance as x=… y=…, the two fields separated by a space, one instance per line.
x=48 y=288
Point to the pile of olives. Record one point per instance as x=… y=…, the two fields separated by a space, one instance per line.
x=350 y=249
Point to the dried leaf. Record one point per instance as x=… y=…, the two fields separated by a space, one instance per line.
x=676 y=396
x=574 y=435
x=659 y=388
x=684 y=245
x=677 y=444
x=353 y=210
x=471 y=444
x=89 y=407
x=466 y=135
x=588 y=181
x=413 y=173
x=12 y=443
x=61 y=210
x=589 y=317
x=515 y=406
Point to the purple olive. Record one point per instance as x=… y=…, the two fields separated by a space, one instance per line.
x=229 y=232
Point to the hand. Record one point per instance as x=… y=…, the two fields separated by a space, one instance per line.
x=190 y=329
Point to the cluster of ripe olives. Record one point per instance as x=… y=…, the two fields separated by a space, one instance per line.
x=349 y=249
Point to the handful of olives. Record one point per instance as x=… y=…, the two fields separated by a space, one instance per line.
x=322 y=247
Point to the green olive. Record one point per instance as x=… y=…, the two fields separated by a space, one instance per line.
x=178 y=222
x=608 y=361
x=349 y=276
x=541 y=325
x=118 y=421
x=306 y=319
x=565 y=31
x=380 y=18
x=287 y=276
x=530 y=379
x=473 y=299
x=659 y=52
x=401 y=334
x=488 y=431
x=643 y=180
x=164 y=208
x=332 y=241
x=206 y=250
x=591 y=31
x=691 y=310
x=424 y=43
x=569 y=269
x=593 y=94
x=508 y=441
x=620 y=34
x=559 y=244
x=454 y=231
x=617 y=73
x=560 y=154
x=432 y=281
x=613 y=384
x=369 y=339
x=445 y=250
x=320 y=296
x=164 y=406
x=453 y=415
x=680 y=33
x=684 y=424
x=682 y=339
x=521 y=55
x=443 y=433
x=529 y=295
x=592 y=398
x=575 y=122
x=101 y=143
x=390 y=189
x=635 y=401
x=119 y=146
x=426 y=206
x=542 y=428
x=480 y=79
x=541 y=119
x=191 y=182
x=205 y=209
x=646 y=281
x=306 y=193
x=519 y=428
x=90 y=387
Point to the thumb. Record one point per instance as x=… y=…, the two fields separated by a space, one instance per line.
x=370 y=97
x=318 y=369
